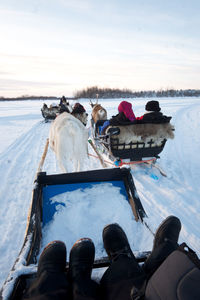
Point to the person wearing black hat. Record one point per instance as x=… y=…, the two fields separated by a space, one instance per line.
x=153 y=114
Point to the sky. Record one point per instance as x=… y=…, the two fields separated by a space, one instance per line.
x=57 y=47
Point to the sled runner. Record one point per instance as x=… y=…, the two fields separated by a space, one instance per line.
x=135 y=142
x=51 y=195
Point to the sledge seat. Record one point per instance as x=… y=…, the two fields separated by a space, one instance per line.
x=137 y=141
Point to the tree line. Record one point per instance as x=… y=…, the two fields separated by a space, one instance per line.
x=106 y=93
x=27 y=97
x=93 y=92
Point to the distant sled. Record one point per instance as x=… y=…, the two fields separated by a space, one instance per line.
x=51 y=112
x=43 y=211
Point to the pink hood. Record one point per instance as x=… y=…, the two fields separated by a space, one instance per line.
x=126 y=108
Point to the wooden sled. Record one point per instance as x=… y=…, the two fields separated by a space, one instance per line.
x=135 y=142
x=42 y=211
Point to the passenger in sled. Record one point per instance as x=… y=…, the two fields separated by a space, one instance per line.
x=136 y=139
x=153 y=114
x=170 y=272
x=63 y=100
x=124 y=117
x=64 y=105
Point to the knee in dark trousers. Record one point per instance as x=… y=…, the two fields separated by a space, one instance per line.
x=120 y=277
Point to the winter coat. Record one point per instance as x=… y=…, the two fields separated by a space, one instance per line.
x=153 y=117
x=119 y=119
x=178 y=278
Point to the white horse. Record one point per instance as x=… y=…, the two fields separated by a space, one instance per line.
x=68 y=138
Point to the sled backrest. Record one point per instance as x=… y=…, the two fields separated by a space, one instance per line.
x=139 y=141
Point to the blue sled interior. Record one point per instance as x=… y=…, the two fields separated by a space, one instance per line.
x=49 y=191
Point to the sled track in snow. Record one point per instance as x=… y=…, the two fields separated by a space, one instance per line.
x=23 y=155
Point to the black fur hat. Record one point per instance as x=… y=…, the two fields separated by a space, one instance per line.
x=152 y=106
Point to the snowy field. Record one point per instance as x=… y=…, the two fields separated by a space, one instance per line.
x=23 y=135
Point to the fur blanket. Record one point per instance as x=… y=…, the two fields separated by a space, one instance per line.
x=144 y=133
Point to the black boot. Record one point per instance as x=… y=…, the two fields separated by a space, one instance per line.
x=51 y=280
x=53 y=258
x=81 y=259
x=115 y=242
x=168 y=230
x=165 y=242
x=124 y=271
x=80 y=268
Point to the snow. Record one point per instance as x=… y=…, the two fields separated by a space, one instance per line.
x=98 y=206
x=23 y=135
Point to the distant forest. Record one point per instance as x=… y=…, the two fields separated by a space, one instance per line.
x=106 y=93
x=93 y=92
x=26 y=97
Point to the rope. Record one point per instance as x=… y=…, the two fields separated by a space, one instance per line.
x=119 y=163
x=108 y=162
x=137 y=162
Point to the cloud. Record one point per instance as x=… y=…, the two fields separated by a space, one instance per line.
x=78 y=5
x=6 y=84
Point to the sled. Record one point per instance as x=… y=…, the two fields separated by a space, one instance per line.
x=43 y=211
x=132 y=142
x=50 y=113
